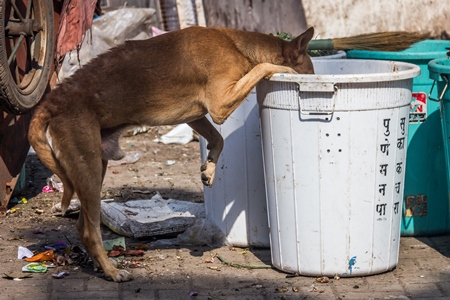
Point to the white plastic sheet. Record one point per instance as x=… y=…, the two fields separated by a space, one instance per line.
x=181 y=134
x=151 y=217
x=109 y=30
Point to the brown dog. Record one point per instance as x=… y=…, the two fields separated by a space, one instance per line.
x=170 y=79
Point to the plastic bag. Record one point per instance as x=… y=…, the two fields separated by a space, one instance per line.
x=109 y=30
x=203 y=232
x=181 y=134
x=130 y=158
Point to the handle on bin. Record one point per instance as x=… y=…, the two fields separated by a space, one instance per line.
x=443 y=90
x=317 y=87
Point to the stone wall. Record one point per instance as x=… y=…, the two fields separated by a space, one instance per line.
x=269 y=16
x=331 y=18
x=340 y=18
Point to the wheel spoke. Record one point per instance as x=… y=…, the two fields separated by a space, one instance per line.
x=15 y=71
x=28 y=13
x=16 y=9
x=14 y=50
x=29 y=53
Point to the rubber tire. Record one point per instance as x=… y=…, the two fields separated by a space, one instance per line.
x=14 y=99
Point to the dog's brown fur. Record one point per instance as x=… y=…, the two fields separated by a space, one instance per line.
x=174 y=78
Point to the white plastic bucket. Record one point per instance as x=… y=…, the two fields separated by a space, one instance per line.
x=334 y=156
x=236 y=203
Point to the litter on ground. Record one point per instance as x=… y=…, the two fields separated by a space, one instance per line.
x=24 y=252
x=43 y=256
x=35 y=268
x=151 y=217
x=181 y=134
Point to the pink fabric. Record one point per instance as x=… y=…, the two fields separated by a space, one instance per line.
x=76 y=19
x=47 y=189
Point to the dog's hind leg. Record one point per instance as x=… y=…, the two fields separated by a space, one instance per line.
x=82 y=160
x=104 y=167
x=89 y=228
x=67 y=194
x=80 y=222
x=215 y=146
x=58 y=169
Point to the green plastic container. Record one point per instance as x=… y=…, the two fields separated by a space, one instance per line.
x=440 y=74
x=426 y=202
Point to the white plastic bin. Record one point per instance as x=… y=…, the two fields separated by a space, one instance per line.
x=236 y=203
x=334 y=156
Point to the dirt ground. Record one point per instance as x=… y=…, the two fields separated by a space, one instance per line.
x=172 y=170
x=170 y=271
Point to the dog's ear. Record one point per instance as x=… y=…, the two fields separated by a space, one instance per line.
x=301 y=42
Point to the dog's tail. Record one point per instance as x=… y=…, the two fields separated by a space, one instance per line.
x=37 y=136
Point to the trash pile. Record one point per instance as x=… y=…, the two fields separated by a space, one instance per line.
x=61 y=254
x=52 y=256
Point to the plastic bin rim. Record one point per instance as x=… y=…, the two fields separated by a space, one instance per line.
x=417 y=51
x=410 y=71
x=441 y=65
x=437 y=68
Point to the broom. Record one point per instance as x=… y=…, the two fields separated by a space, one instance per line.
x=380 y=41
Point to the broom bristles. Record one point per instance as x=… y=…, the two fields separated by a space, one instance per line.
x=380 y=41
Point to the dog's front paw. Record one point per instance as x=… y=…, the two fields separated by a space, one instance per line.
x=120 y=276
x=123 y=276
x=287 y=70
x=281 y=69
x=208 y=170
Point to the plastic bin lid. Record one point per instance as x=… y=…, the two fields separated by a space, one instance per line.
x=438 y=67
x=424 y=50
x=352 y=71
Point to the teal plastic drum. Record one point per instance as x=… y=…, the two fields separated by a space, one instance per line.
x=426 y=200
